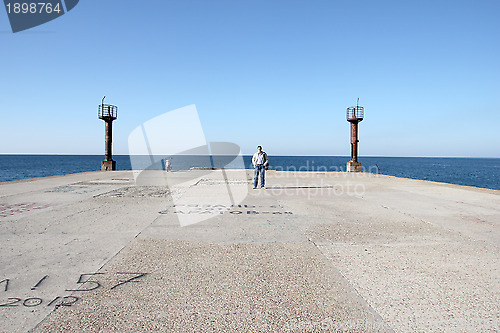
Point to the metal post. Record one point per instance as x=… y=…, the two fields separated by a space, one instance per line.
x=355 y=114
x=354 y=141
x=108 y=127
x=108 y=113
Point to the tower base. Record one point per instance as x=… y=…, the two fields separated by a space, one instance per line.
x=108 y=165
x=353 y=167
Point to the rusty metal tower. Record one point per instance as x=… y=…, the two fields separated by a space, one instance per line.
x=108 y=113
x=355 y=114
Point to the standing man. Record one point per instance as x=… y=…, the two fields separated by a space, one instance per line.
x=260 y=163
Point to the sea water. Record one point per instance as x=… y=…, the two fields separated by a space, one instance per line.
x=479 y=172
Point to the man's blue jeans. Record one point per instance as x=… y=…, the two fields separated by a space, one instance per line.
x=262 y=170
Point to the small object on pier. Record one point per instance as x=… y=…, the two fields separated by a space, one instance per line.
x=108 y=113
x=355 y=114
x=167 y=164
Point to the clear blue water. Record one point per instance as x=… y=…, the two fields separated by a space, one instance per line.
x=479 y=172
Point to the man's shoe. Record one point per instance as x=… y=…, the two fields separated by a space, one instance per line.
x=254 y=187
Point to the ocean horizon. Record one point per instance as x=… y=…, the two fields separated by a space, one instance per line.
x=469 y=171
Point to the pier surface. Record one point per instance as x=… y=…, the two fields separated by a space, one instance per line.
x=201 y=250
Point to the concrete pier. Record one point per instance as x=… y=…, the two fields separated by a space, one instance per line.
x=201 y=250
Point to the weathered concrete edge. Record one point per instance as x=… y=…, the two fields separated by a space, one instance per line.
x=50 y=177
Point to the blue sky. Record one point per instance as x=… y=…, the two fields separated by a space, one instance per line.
x=276 y=73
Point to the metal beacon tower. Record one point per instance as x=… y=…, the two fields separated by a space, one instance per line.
x=108 y=113
x=355 y=114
